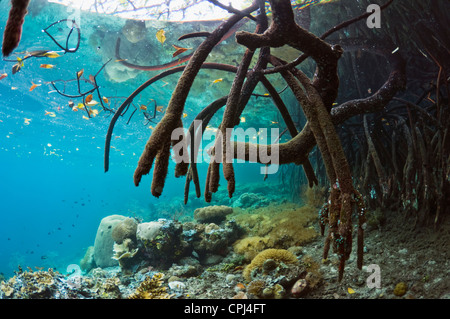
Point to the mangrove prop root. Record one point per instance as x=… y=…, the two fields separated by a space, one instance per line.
x=13 y=29
x=315 y=96
x=174 y=111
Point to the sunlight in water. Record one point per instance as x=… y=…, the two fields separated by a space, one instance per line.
x=174 y=10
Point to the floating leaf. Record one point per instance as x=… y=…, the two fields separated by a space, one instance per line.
x=179 y=50
x=350 y=290
x=80 y=73
x=89 y=98
x=160 y=35
x=51 y=54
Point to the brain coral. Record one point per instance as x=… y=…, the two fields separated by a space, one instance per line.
x=278 y=255
x=212 y=214
x=124 y=229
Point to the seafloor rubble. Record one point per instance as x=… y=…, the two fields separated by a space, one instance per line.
x=263 y=251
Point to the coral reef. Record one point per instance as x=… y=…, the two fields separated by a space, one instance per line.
x=275 y=226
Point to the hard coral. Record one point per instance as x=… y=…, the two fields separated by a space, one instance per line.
x=278 y=255
x=124 y=229
x=212 y=214
x=151 y=288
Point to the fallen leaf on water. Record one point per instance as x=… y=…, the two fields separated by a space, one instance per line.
x=51 y=54
x=216 y=81
x=350 y=290
x=80 y=73
x=160 y=36
x=89 y=98
x=4 y=75
x=47 y=66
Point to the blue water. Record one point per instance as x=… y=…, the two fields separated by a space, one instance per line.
x=53 y=189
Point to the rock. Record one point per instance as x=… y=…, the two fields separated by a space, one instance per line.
x=104 y=243
x=299 y=289
x=212 y=214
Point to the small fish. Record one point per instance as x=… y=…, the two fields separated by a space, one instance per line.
x=161 y=36
x=350 y=290
x=105 y=99
x=217 y=80
x=26 y=121
x=240 y=286
x=91 y=78
x=143 y=108
x=150 y=127
x=47 y=66
x=89 y=98
x=51 y=54
x=179 y=50
x=43 y=257
x=120 y=60
x=80 y=73
x=4 y=75
x=14 y=88
x=185 y=115
x=33 y=86
x=159 y=108
x=85 y=117
x=369 y=91
x=273 y=122
x=51 y=114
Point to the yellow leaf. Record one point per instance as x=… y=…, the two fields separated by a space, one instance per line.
x=51 y=54
x=80 y=73
x=160 y=36
x=350 y=290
